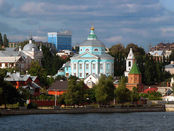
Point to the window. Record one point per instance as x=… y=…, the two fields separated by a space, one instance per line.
x=80 y=74
x=0 y=64
x=87 y=74
x=81 y=50
x=129 y=64
x=93 y=66
x=74 y=74
x=87 y=50
x=101 y=66
x=87 y=66
x=74 y=66
x=80 y=66
x=108 y=66
x=95 y=49
x=67 y=74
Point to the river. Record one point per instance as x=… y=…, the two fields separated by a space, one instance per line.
x=144 y=121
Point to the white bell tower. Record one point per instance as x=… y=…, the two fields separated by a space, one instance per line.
x=129 y=62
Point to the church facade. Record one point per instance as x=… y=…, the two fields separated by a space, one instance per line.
x=91 y=60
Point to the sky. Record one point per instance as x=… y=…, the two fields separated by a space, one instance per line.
x=143 y=22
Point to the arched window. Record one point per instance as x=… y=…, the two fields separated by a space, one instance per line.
x=87 y=50
x=95 y=49
x=81 y=50
x=129 y=64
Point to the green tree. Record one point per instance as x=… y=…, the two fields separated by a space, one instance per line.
x=171 y=57
x=36 y=70
x=50 y=61
x=104 y=91
x=5 y=40
x=122 y=94
x=134 y=95
x=75 y=94
x=118 y=52
x=1 y=40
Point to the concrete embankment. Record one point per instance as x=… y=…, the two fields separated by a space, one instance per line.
x=169 y=107
x=81 y=111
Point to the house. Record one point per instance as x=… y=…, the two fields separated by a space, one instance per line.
x=58 y=87
x=91 y=80
x=25 y=81
x=20 y=58
x=170 y=67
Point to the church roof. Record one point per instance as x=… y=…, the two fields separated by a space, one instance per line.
x=29 y=46
x=134 y=69
x=92 y=43
x=92 y=40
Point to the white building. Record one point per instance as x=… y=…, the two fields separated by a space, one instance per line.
x=129 y=62
x=11 y=57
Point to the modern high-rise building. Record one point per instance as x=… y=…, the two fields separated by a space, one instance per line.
x=61 y=40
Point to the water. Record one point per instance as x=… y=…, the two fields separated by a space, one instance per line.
x=149 y=121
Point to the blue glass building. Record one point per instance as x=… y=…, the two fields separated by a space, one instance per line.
x=61 y=40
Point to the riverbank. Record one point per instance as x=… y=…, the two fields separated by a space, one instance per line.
x=4 y=112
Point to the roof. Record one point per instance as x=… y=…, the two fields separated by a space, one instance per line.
x=59 y=85
x=10 y=59
x=29 y=46
x=149 y=90
x=92 y=43
x=156 y=53
x=134 y=69
x=169 y=66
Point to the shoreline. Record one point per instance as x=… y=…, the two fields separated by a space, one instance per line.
x=5 y=112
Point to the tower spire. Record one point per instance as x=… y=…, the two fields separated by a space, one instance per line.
x=92 y=35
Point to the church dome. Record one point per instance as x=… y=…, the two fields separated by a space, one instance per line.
x=92 y=40
x=30 y=46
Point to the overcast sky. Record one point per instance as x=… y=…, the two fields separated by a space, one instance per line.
x=142 y=22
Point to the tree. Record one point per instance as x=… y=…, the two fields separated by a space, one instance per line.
x=50 y=61
x=171 y=57
x=5 y=40
x=122 y=94
x=36 y=70
x=75 y=94
x=104 y=91
x=138 y=51
x=1 y=41
x=134 y=95
x=118 y=52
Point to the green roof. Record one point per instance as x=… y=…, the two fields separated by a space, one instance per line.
x=135 y=69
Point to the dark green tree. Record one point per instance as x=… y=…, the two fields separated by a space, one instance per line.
x=1 y=40
x=122 y=94
x=5 y=40
x=104 y=91
x=75 y=94
x=134 y=95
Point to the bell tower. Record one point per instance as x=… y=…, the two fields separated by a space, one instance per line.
x=129 y=62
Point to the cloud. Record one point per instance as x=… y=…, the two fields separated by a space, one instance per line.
x=114 y=39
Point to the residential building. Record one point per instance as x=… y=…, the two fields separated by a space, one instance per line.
x=25 y=81
x=12 y=57
x=91 y=59
x=170 y=67
x=61 y=40
x=65 y=53
x=58 y=87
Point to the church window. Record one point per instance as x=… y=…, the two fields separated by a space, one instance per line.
x=80 y=66
x=129 y=64
x=87 y=50
x=95 y=49
x=74 y=74
x=93 y=66
x=74 y=66
x=87 y=74
x=108 y=66
x=81 y=50
x=80 y=74
x=101 y=66
x=67 y=74
x=87 y=66
x=0 y=64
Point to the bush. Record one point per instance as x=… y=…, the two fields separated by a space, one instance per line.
x=32 y=106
